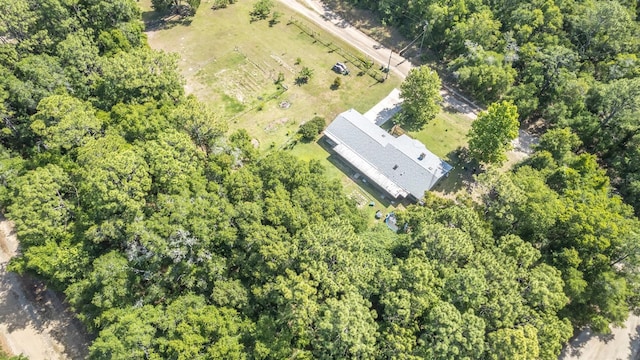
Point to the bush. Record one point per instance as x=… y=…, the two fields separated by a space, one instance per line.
x=312 y=128
x=337 y=82
x=304 y=75
x=261 y=10
x=275 y=18
x=220 y=4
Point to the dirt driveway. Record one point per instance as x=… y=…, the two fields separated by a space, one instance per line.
x=33 y=320
x=622 y=344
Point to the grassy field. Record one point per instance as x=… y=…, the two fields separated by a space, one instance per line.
x=232 y=63
x=444 y=134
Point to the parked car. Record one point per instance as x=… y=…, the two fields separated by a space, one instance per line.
x=340 y=68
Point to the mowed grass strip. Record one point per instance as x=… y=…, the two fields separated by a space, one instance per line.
x=232 y=64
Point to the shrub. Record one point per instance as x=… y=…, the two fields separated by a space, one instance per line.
x=304 y=75
x=261 y=10
x=337 y=82
x=312 y=128
x=275 y=18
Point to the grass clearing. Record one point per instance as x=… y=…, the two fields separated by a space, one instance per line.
x=232 y=65
x=444 y=134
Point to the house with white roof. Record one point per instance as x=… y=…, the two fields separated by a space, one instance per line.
x=401 y=166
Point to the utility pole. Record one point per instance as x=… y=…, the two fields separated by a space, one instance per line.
x=424 y=31
x=389 y=64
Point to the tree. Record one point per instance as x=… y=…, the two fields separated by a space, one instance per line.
x=486 y=74
x=194 y=330
x=312 y=128
x=130 y=334
x=346 y=329
x=175 y=164
x=178 y=6
x=41 y=206
x=79 y=55
x=304 y=75
x=261 y=10
x=491 y=134
x=602 y=29
x=203 y=125
x=480 y=28
x=64 y=122
x=519 y=344
x=162 y=5
x=560 y=143
x=107 y=286
x=617 y=106
x=114 y=181
x=420 y=92
x=137 y=77
x=450 y=335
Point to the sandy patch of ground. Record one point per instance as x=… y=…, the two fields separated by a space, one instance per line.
x=622 y=344
x=34 y=321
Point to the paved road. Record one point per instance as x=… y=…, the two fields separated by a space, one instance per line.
x=322 y=15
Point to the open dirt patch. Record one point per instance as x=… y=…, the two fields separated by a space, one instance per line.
x=34 y=320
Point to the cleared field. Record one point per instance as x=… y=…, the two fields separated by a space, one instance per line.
x=232 y=64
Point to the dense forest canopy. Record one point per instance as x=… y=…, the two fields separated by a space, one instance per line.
x=173 y=239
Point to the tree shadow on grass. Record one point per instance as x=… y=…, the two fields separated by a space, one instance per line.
x=461 y=177
x=154 y=21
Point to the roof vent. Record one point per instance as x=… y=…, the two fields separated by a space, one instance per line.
x=395 y=167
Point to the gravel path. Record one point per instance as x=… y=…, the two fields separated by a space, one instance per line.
x=385 y=109
x=33 y=320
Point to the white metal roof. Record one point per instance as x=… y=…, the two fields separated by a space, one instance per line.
x=400 y=166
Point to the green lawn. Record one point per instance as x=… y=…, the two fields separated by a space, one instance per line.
x=231 y=64
x=444 y=134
